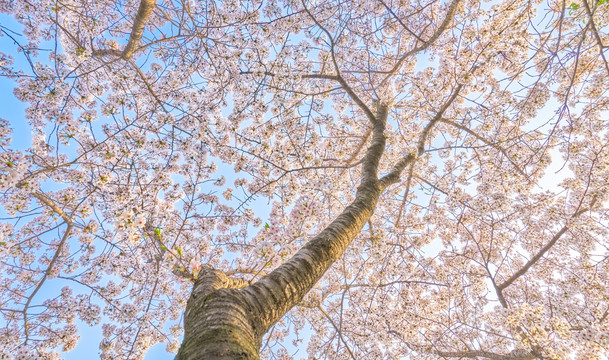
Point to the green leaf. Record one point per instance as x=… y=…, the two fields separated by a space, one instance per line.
x=179 y=252
x=163 y=247
x=157 y=232
x=266 y=225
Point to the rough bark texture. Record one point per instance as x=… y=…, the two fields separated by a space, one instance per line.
x=216 y=320
x=218 y=326
x=277 y=293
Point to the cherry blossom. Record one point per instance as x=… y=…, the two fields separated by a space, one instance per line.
x=365 y=180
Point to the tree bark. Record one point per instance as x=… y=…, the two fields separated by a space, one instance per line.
x=219 y=326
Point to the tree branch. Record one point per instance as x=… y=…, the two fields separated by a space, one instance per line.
x=487 y=142
x=517 y=354
x=276 y=293
x=450 y=13
x=599 y=41
x=541 y=252
x=394 y=175
x=68 y=220
x=141 y=18
x=51 y=204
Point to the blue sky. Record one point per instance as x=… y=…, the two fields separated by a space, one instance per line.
x=12 y=109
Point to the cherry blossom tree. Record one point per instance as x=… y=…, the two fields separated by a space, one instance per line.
x=407 y=179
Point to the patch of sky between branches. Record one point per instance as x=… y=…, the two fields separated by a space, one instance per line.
x=13 y=110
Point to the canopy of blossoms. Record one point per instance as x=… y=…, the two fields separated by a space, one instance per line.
x=174 y=136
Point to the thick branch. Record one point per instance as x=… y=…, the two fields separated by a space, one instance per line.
x=224 y=322
x=51 y=204
x=283 y=288
x=141 y=18
x=276 y=293
x=373 y=155
x=137 y=30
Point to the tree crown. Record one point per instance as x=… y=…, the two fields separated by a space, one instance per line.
x=160 y=130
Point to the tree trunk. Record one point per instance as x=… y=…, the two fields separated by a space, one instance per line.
x=220 y=328
x=218 y=320
x=229 y=323
x=223 y=321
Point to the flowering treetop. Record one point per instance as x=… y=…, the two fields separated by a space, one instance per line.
x=134 y=106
